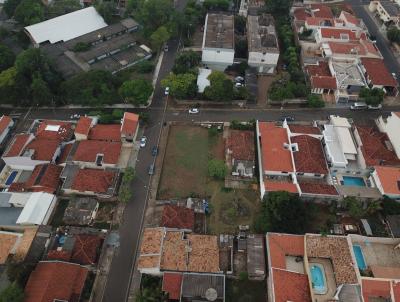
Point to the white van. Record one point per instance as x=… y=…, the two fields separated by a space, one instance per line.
x=358 y=106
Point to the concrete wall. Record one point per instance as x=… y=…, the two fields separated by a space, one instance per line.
x=217 y=58
x=259 y=59
x=391 y=127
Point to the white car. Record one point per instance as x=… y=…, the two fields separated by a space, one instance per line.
x=143 y=142
x=239 y=79
x=193 y=111
x=166 y=90
x=375 y=107
x=394 y=75
x=75 y=116
x=238 y=85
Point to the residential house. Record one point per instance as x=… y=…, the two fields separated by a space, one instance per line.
x=391 y=126
x=387 y=11
x=378 y=76
x=56 y=281
x=263 y=45
x=255 y=257
x=81 y=211
x=387 y=180
x=6 y=123
x=38 y=209
x=321 y=79
x=240 y=153
x=178 y=217
x=83 y=127
x=15 y=245
x=97 y=154
x=218 y=48
x=129 y=127
x=172 y=250
x=338 y=34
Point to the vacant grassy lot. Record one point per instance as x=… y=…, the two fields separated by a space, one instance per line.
x=245 y=291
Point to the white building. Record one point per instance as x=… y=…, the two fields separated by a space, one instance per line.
x=38 y=209
x=218 y=49
x=387 y=11
x=6 y=123
x=262 y=43
x=391 y=126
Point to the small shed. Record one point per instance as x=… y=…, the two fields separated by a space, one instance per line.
x=256 y=257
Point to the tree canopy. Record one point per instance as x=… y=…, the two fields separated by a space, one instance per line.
x=125 y=189
x=159 y=37
x=182 y=85
x=136 y=91
x=186 y=61
x=10 y=6
x=29 y=12
x=12 y=293
x=372 y=96
x=220 y=89
x=216 y=168
x=393 y=34
x=106 y=9
x=315 y=101
x=62 y=7
x=7 y=57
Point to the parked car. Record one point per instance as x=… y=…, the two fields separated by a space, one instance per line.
x=239 y=79
x=358 y=106
x=375 y=107
x=151 y=169
x=288 y=118
x=75 y=116
x=193 y=111
x=154 y=151
x=166 y=90
x=394 y=75
x=238 y=85
x=143 y=142
x=166 y=47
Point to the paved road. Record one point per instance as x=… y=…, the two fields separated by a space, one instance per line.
x=390 y=60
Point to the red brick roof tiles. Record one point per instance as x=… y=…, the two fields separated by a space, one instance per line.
x=241 y=144
x=44 y=149
x=83 y=125
x=374 y=148
x=88 y=150
x=351 y=18
x=282 y=245
x=59 y=255
x=300 y=14
x=64 y=131
x=17 y=145
x=321 y=69
x=396 y=290
x=85 y=249
x=314 y=21
x=55 y=280
x=375 y=289
x=129 y=123
x=310 y=158
x=389 y=178
x=304 y=129
x=106 y=132
x=64 y=153
x=290 y=286
x=321 y=11
x=177 y=217
x=172 y=285
x=93 y=180
x=4 y=123
x=377 y=72
x=317 y=188
x=339 y=33
x=273 y=185
x=323 y=82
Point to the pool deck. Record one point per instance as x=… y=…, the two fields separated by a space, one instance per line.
x=329 y=277
x=363 y=192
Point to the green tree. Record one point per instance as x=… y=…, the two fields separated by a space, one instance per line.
x=125 y=189
x=216 y=4
x=315 y=101
x=393 y=34
x=353 y=206
x=8 y=85
x=240 y=24
x=7 y=57
x=182 y=85
x=41 y=94
x=153 y=14
x=216 y=168
x=106 y=9
x=372 y=96
x=144 y=66
x=220 y=89
x=241 y=48
x=29 y=12
x=19 y=272
x=62 y=7
x=136 y=91
x=390 y=206
x=10 y=7
x=278 y=7
x=159 y=37
x=282 y=212
x=12 y=293
x=186 y=61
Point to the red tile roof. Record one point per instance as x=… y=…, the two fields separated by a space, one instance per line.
x=129 y=123
x=241 y=144
x=300 y=14
x=282 y=245
x=350 y=18
x=339 y=33
x=64 y=131
x=273 y=185
x=397 y=114
x=375 y=289
x=106 y=133
x=93 y=180
x=83 y=125
x=320 y=69
x=374 y=148
x=17 y=145
x=44 y=149
x=177 y=217
x=304 y=129
x=314 y=21
x=310 y=158
x=85 y=249
x=273 y=153
x=55 y=280
x=389 y=178
x=4 y=123
x=396 y=290
x=290 y=286
x=64 y=153
x=44 y=178
x=59 y=255
x=321 y=11
x=323 y=82
x=172 y=285
x=87 y=151
x=377 y=72
x=317 y=188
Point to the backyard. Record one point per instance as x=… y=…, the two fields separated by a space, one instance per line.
x=245 y=291
x=185 y=174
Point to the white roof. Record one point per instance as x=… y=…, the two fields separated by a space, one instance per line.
x=333 y=146
x=202 y=79
x=66 y=27
x=346 y=140
x=339 y=121
x=36 y=208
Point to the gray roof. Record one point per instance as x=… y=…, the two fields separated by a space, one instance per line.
x=4 y=200
x=256 y=256
x=195 y=286
x=261 y=33
x=219 y=31
x=350 y=293
x=9 y=216
x=391 y=8
x=394 y=224
x=79 y=211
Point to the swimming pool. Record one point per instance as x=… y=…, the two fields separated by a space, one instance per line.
x=11 y=178
x=353 y=181
x=318 y=279
x=359 y=257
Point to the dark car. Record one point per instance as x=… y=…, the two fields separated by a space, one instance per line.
x=287 y=118
x=154 y=151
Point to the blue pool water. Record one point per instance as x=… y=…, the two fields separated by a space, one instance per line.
x=11 y=178
x=359 y=257
x=353 y=181
x=318 y=279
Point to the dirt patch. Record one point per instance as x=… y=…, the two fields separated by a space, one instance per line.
x=263 y=82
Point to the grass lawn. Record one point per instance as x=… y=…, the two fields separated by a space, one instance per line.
x=245 y=291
